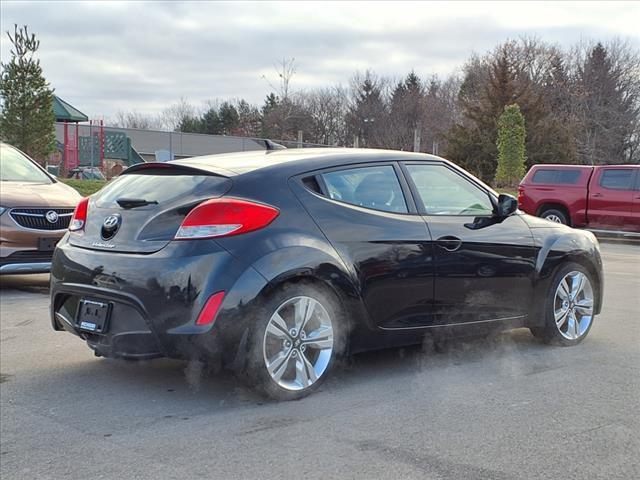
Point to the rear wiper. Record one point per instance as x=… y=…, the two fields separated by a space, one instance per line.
x=135 y=202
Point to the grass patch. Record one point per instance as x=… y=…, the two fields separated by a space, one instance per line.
x=84 y=187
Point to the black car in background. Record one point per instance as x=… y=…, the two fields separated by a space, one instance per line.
x=278 y=262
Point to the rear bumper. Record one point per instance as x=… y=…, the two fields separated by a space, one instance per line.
x=24 y=268
x=155 y=299
x=25 y=261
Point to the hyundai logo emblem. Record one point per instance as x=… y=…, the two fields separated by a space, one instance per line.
x=111 y=222
x=51 y=216
x=110 y=226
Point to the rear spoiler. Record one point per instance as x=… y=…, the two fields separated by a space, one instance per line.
x=173 y=168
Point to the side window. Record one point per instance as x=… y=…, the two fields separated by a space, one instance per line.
x=544 y=176
x=567 y=177
x=377 y=188
x=617 y=179
x=444 y=192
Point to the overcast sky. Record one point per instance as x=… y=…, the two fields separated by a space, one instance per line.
x=107 y=56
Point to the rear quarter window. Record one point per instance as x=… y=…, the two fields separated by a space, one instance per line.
x=556 y=176
x=376 y=188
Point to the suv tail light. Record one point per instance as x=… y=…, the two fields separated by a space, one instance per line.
x=520 y=194
x=221 y=217
x=79 y=216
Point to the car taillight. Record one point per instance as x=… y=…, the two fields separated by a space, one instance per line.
x=520 y=194
x=79 y=215
x=221 y=217
x=210 y=310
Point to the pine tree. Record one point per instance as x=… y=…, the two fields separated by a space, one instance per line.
x=26 y=119
x=608 y=110
x=229 y=118
x=407 y=111
x=368 y=115
x=211 y=121
x=511 y=147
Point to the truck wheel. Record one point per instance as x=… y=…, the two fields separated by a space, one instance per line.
x=554 y=215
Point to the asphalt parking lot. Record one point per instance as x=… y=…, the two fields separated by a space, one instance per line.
x=501 y=408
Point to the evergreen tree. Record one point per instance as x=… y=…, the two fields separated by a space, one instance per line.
x=490 y=84
x=511 y=147
x=368 y=114
x=229 y=118
x=270 y=103
x=249 y=119
x=190 y=124
x=26 y=119
x=211 y=122
x=407 y=111
x=608 y=110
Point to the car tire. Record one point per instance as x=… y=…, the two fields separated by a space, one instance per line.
x=297 y=337
x=568 y=307
x=555 y=215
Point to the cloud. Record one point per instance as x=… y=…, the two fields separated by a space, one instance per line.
x=108 y=56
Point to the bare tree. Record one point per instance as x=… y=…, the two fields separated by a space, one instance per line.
x=285 y=69
x=135 y=119
x=172 y=116
x=327 y=109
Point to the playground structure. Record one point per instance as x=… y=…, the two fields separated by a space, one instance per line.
x=96 y=147
x=90 y=145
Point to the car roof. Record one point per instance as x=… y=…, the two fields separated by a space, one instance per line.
x=294 y=161
x=297 y=159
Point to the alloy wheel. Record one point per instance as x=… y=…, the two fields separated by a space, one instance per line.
x=553 y=218
x=573 y=305
x=298 y=343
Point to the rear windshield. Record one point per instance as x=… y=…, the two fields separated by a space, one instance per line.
x=548 y=175
x=161 y=188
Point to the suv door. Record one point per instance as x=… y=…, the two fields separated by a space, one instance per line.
x=611 y=198
x=363 y=212
x=484 y=267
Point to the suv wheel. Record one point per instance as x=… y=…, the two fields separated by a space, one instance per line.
x=295 y=342
x=569 y=307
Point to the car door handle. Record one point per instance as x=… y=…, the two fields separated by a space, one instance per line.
x=596 y=195
x=449 y=243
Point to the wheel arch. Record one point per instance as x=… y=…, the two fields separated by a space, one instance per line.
x=554 y=204
x=308 y=264
x=568 y=247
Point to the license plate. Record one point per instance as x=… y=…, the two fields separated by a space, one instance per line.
x=47 y=244
x=93 y=316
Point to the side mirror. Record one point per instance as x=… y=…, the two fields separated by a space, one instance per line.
x=507 y=204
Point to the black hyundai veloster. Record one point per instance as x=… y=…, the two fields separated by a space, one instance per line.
x=279 y=262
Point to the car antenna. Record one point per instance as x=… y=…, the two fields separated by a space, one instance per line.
x=270 y=145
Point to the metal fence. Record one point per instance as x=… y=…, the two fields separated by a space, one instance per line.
x=151 y=144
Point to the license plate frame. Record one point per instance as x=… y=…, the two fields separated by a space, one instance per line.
x=47 y=244
x=93 y=316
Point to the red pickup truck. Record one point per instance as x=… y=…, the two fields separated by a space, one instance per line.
x=598 y=198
